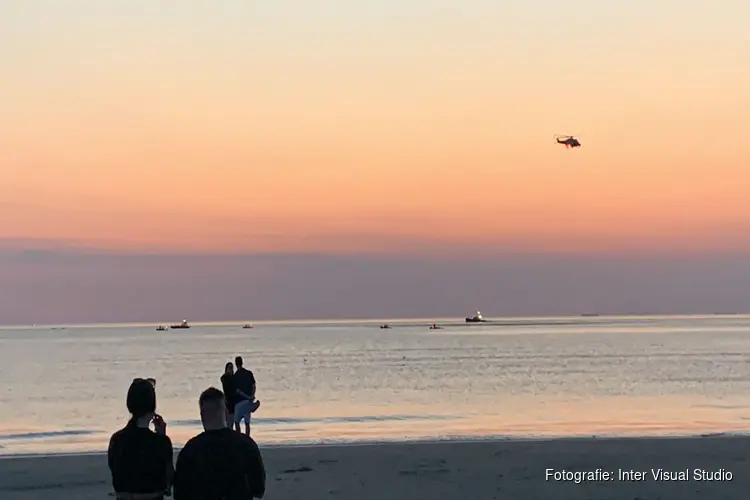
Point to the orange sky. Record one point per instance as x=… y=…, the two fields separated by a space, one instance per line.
x=362 y=133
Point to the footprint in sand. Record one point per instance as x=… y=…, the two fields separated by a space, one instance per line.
x=300 y=469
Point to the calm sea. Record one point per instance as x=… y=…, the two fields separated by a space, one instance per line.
x=63 y=389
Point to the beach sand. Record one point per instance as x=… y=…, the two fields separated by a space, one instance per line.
x=483 y=470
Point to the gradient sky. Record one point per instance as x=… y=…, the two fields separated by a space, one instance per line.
x=369 y=133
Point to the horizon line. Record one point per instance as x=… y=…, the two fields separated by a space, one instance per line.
x=404 y=319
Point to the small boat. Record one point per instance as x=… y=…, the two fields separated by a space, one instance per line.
x=477 y=318
x=248 y=325
x=385 y=327
x=161 y=328
x=184 y=324
x=435 y=327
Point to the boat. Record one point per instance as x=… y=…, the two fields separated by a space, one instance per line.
x=184 y=324
x=385 y=327
x=248 y=325
x=435 y=327
x=477 y=318
x=161 y=328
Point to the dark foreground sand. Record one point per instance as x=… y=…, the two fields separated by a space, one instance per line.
x=440 y=471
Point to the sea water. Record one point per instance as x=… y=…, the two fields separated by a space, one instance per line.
x=62 y=389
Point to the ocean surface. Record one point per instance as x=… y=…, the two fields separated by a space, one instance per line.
x=62 y=389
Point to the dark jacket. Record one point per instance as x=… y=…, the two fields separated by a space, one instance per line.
x=220 y=465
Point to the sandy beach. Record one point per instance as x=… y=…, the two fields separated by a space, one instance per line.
x=484 y=470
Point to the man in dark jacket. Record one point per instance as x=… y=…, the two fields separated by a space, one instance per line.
x=246 y=404
x=219 y=463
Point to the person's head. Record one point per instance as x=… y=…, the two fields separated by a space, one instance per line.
x=238 y=362
x=141 y=400
x=213 y=409
x=229 y=368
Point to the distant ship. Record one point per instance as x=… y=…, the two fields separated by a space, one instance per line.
x=248 y=325
x=477 y=318
x=161 y=328
x=184 y=324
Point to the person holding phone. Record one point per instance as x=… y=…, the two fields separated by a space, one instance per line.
x=141 y=460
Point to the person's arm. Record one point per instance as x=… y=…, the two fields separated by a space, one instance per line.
x=169 y=458
x=182 y=487
x=111 y=454
x=256 y=474
x=253 y=393
x=240 y=393
x=112 y=451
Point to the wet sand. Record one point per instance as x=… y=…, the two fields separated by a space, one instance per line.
x=484 y=470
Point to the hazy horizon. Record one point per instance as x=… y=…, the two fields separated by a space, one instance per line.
x=53 y=285
x=311 y=159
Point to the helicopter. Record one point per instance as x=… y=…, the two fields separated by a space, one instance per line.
x=568 y=140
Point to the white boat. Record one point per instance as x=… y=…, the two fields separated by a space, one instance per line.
x=184 y=324
x=477 y=318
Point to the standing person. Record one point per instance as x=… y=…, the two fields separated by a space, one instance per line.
x=139 y=459
x=230 y=392
x=219 y=463
x=246 y=403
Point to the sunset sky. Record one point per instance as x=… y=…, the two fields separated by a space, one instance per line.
x=363 y=134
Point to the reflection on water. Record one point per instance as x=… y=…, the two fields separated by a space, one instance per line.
x=63 y=390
